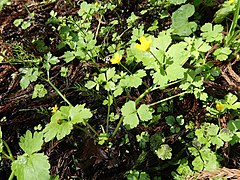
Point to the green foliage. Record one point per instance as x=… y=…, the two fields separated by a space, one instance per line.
x=222 y=53
x=130 y=114
x=3 y=3
x=24 y=23
x=34 y=166
x=31 y=143
x=30 y=75
x=180 y=22
x=176 y=2
x=221 y=14
x=212 y=33
x=39 y=91
x=31 y=165
x=139 y=89
x=164 y=152
x=136 y=175
x=143 y=139
x=63 y=120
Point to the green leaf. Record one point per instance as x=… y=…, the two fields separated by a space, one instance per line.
x=160 y=79
x=17 y=22
x=110 y=73
x=222 y=13
x=164 y=152
x=170 y=120
x=215 y=140
x=131 y=121
x=128 y=108
x=51 y=59
x=26 y=24
x=79 y=114
x=234 y=125
x=69 y=56
x=31 y=75
x=176 y=2
x=175 y=72
x=59 y=126
x=198 y=164
x=222 y=53
x=130 y=115
x=143 y=139
x=212 y=33
x=34 y=167
x=24 y=82
x=31 y=144
x=213 y=129
x=225 y=134
x=132 y=19
x=144 y=113
x=231 y=99
x=39 y=91
x=162 y=42
x=180 y=22
x=90 y=84
x=64 y=71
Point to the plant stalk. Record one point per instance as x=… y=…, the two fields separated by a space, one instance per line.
x=169 y=98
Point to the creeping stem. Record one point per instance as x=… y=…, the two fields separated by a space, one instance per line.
x=166 y=99
x=118 y=125
x=59 y=93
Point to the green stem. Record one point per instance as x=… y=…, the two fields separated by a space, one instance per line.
x=93 y=130
x=108 y=112
x=59 y=93
x=9 y=152
x=84 y=130
x=7 y=156
x=230 y=35
x=11 y=176
x=94 y=62
x=169 y=98
x=125 y=68
x=118 y=125
x=160 y=64
x=144 y=94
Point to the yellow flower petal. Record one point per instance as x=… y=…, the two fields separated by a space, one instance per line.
x=220 y=107
x=231 y=1
x=116 y=58
x=54 y=109
x=145 y=43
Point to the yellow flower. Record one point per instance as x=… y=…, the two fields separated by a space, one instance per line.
x=96 y=4
x=220 y=107
x=54 y=109
x=145 y=43
x=231 y=1
x=116 y=58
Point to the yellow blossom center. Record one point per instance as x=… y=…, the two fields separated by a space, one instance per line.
x=116 y=58
x=145 y=43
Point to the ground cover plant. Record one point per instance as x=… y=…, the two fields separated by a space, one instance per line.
x=115 y=89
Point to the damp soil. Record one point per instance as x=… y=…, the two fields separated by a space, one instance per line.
x=78 y=156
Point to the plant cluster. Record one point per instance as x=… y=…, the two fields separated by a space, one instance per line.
x=175 y=62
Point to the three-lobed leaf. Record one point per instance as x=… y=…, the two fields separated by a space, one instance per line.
x=31 y=143
x=34 y=167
